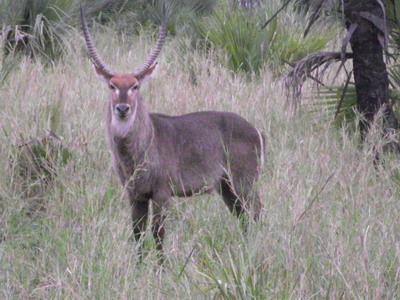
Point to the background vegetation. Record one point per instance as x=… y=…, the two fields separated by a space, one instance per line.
x=330 y=228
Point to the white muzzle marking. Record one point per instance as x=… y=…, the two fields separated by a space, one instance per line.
x=121 y=127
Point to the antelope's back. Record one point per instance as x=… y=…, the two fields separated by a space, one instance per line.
x=204 y=142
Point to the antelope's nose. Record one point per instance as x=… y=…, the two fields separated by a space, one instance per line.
x=122 y=109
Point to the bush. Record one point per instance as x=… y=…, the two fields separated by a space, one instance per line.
x=40 y=28
x=248 y=48
x=237 y=34
x=37 y=27
x=181 y=13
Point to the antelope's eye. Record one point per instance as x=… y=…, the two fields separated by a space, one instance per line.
x=111 y=87
x=135 y=87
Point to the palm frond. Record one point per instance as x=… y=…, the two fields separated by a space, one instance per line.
x=296 y=77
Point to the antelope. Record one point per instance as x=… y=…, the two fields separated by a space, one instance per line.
x=157 y=156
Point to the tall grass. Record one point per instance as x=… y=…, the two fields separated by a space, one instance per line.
x=330 y=227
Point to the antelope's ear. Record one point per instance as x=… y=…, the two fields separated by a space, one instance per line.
x=103 y=76
x=147 y=75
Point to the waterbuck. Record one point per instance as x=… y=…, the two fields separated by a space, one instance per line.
x=158 y=156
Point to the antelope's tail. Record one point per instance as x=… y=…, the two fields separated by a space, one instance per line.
x=262 y=150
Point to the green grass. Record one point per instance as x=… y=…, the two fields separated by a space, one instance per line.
x=71 y=240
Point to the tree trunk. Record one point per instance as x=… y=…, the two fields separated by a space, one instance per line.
x=370 y=74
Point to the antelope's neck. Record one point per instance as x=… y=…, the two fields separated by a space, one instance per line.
x=132 y=139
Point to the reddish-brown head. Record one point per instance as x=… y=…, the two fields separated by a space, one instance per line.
x=124 y=88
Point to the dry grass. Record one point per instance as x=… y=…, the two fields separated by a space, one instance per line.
x=321 y=235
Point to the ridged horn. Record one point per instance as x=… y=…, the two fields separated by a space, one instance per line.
x=157 y=49
x=96 y=59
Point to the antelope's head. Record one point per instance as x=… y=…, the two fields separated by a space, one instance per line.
x=124 y=88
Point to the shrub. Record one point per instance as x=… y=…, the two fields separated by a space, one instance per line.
x=181 y=13
x=36 y=27
x=40 y=28
x=248 y=48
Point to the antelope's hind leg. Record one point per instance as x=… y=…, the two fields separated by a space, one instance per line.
x=231 y=200
x=242 y=200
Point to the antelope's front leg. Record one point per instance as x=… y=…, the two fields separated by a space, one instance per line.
x=160 y=204
x=158 y=228
x=140 y=210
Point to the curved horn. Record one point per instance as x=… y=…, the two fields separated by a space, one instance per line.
x=154 y=53
x=92 y=49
